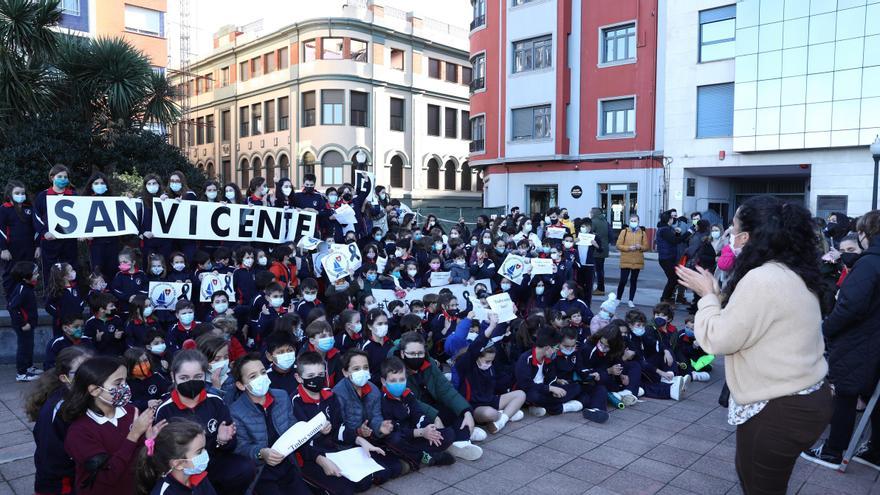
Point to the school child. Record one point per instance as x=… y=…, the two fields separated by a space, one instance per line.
x=283 y=269
x=102 y=250
x=97 y=284
x=575 y=364
x=62 y=296
x=281 y=353
x=176 y=462
x=310 y=301
x=229 y=471
x=569 y=302
x=269 y=313
x=140 y=321
x=361 y=405
x=438 y=398
x=262 y=257
x=397 y=309
x=410 y=278
x=320 y=339
x=147 y=386
x=71 y=335
x=413 y=437
x=52 y=249
x=104 y=327
x=221 y=257
x=183 y=328
x=177 y=269
x=261 y=415
x=349 y=331
x=105 y=430
x=23 y=317
x=667 y=335
x=243 y=276
x=130 y=280
x=605 y=315
x=689 y=352
x=443 y=325
x=657 y=383
x=313 y=397
x=228 y=325
x=54 y=468
x=215 y=348
x=155 y=345
x=377 y=344
x=458 y=269
x=17 y=236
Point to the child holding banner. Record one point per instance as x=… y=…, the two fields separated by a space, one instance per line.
x=102 y=250
x=54 y=250
x=130 y=281
x=17 y=237
x=149 y=243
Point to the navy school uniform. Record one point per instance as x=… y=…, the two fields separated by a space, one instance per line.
x=376 y=354
x=438 y=333
x=538 y=393
x=17 y=236
x=104 y=255
x=475 y=385
x=55 y=250
x=178 y=333
x=199 y=484
x=264 y=323
x=143 y=390
x=344 y=341
x=136 y=331
x=245 y=285
x=69 y=302
x=154 y=244
x=126 y=285
x=645 y=346
x=54 y=468
x=687 y=352
x=282 y=380
x=333 y=360
x=572 y=305
x=108 y=343
x=303 y=308
x=61 y=343
x=230 y=472
x=407 y=416
x=23 y=311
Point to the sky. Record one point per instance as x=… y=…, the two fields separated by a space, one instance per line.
x=206 y=16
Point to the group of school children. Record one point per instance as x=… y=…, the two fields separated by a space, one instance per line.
x=147 y=400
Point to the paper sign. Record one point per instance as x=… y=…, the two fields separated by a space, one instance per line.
x=541 y=266
x=439 y=279
x=351 y=252
x=308 y=243
x=166 y=294
x=211 y=283
x=480 y=312
x=501 y=305
x=556 y=232
x=583 y=251
x=513 y=268
x=345 y=215
x=298 y=434
x=462 y=292
x=355 y=464
x=335 y=266
x=363 y=183
x=586 y=239
x=381 y=263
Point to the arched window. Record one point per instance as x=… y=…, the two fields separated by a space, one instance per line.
x=284 y=167
x=433 y=174
x=479 y=181
x=396 y=171
x=331 y=168
x=245 y=168
x=270 y=171
x=466 y=177
x=212 y=174
x=308 y=164
x=257 y=167
x=449 y=176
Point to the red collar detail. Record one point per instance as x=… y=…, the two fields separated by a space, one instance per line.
x=449 y=317
x=268 y=401
x=183 y=328
x=68 y=191
x=392 y=397
x=535 y=357
x=425 y=364
x=175 y=397
x=195 y=479
x=366 y=389
x=254 y=197
x=326 y=393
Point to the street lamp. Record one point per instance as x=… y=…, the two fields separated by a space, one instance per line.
x=361 y=157
x=875 y=150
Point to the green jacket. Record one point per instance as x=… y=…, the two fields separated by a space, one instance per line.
x=432 y=390
x=600 y=228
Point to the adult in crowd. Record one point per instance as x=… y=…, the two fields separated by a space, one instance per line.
x=603 y=238
x=668 y=239
x=766 y=323
x=632 y=243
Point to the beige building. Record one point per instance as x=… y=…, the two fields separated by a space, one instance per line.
x=309 y=97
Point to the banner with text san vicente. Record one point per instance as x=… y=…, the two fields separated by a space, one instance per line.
x=74 y=217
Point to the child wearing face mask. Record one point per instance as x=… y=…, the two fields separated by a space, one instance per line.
x=183 y=327
x=605 y=314
x=585 y=366
x=97 y=284
x=320 y=340
x=129 y=280
x=284 y=269
x=155 y=345
x=377 y=344
x=23 y=315
x=105 y=327
x=72 y=336
x=657 y=384
x=281 y=354
x=309 y=300
x=348 y=330
x=176 y=462
x=410 y=278
x=269 y=312
x=243 y=276
x=147 y=386
x=62 y=296
x=140 y=321
x=219 y=306
x=459 y=271
x=689 y=352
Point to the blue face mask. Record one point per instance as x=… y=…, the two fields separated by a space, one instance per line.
x=378 y=237
x=325 y=343
x=500 y=250
x=546 y=249
x=634 y=225
x=200 y=464
x=187 y=318
x=371 y=277
x=99 y=188
x=659 y=321
x=60 y=182
x=689 y=331
x=396 y=275
x=417 y=236
x=638 y=331
x=395 y=388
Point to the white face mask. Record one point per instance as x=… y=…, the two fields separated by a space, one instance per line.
x=263 y=261
x=360 y=377
x=309 y=297
x=212 y=195
x=179 y=266
x=411 y=273
x=380 y=330
x=286 y=190
x=248 y=262
x=567 y=244
x=230 y=195
x=152 y=188
x=259 y=386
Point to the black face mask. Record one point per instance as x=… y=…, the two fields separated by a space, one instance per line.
x=315 y=383
x=565 y=216
x=191 y=389
x=346 y=197
x=309 y=189
x=413 y=363
x=849 y=259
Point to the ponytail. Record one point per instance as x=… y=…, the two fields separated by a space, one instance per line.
x=154 y=460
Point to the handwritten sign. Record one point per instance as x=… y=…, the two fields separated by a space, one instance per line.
x=541 y=266
x=502 y=306
x=439 y=279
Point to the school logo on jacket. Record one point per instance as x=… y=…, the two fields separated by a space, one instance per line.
x=315 y=203
x=212 y=425
x=27 y=211
x=137 y=281
x=152 y=389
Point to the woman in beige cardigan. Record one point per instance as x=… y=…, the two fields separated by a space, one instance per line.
x=767 y=324
x=632 y=242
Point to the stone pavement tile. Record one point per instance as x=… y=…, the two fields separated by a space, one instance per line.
x=632 y=444
x=509 y=446
x=811 y=489
x=648 y=431
x=690 y=412
x=674 y=490
x=545 y=457
x=17 y=469
x=589 y=471
x=23 y=486
x=653 y=406
x=667 y=424
x=846 y=483
x=451 y=475
x=541 y=429
x=626 y=483
x=705 y=432
x=414 y=484
x=5 y=489
x=16 y=437
x=693 y=444
x=617 y=424
x=719 y=468
x=717 y=419
x=701 y=483
x=673 y=455
x=860 y=470
x=554 y=484
x=609 y=456
x=486 y=484
x=723 y=451
x=15 y=452
x=452 y=491
x=377 y=490
x=570 y=445
x=633 y=415
x=517 y=471
x=490 y=458
x=600 y=490
x=737 y=490
x=561 y=423
x=655 y=470
x=592 y=433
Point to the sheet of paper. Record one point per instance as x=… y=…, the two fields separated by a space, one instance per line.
x=299 y=434
x=542 y=266
x=480 y=313
x=380 y=264
x=308 y=243
x=513 y=268
x=583 y=251
x=502 y=306
x=586 y=239
x=439 y=279
x=351 y=252
x=345 y=215
x=355 y=464
x=335 y=266
x=211 y=283
x=556 y=232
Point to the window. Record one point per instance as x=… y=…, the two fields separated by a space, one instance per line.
x=243 y=71
x=283 y=58
x=466 y=76
x=396 y=171
x=269 y=62
x=479 y=181
x=396 y=113
x=465 y=177
x=225 y=122
x=532 y=54
x=191 y=133
x=309 y=51
x=449 y=176
x=70 y=7
x=200 y=130
x=269 y=111
x=331 y=168
x=331 y=48
x=308 y=109
x=209 y=129
x=243 y=122
x=256 y=119
x=332 y=103
x=270 y=169
x=433 y=68
x=718 y=33
x=358 y=50
x=465 y=125
x=397 y=59
x=618 y=117
x=433 y=120
x=283 y=113
x=451 y=123
x=308 y=163
x=478 y=129
x=359 y=105
x=245 y=167
x=451 y=72
x=691 y=187
x=433 y=174
x=182 y=137
x=520 y=2
x=479 y=72
x=224 y=77
x=531 y=123
x=256 y=67
x=715 y=110
x=619 y=43
x=479 y=14
x=144 y=21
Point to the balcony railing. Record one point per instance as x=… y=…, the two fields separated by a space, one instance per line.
x=477 y=145
x=477 y=22
x=478 y=83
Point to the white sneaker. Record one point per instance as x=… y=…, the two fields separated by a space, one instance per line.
x=572 y=406
x=668 y=380
x=25 y=377
x=631 y=304
x=641 y=392
x=518 y=416
x=679 y=385
x=626 y=397
x=478 y=435
x=465 y=450
x=35 y=371
x=537 y=411
x=700 y=376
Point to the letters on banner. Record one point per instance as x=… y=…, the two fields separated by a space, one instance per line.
x=364 y=182
x=84 y=216
x=166 y=294
x=211 y=283
x=462 y=293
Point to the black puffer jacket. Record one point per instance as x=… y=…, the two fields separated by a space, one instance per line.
x=853 y=327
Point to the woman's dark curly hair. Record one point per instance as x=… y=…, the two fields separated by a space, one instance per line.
x=781 y=232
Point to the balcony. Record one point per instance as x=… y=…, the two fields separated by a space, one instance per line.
x=478 y=21
x=477 y=145
x=478 y=83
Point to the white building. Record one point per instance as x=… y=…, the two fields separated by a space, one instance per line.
x=770 y=96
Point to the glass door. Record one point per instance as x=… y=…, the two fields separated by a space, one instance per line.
x=541 y=198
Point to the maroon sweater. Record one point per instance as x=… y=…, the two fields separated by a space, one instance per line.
x=86 y=438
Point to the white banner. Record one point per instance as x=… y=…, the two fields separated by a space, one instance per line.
x=166 y=294
x=211 y=283
x=462 y=293
x=72 y=217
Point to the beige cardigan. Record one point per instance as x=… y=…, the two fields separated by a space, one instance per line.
x=770 y=334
